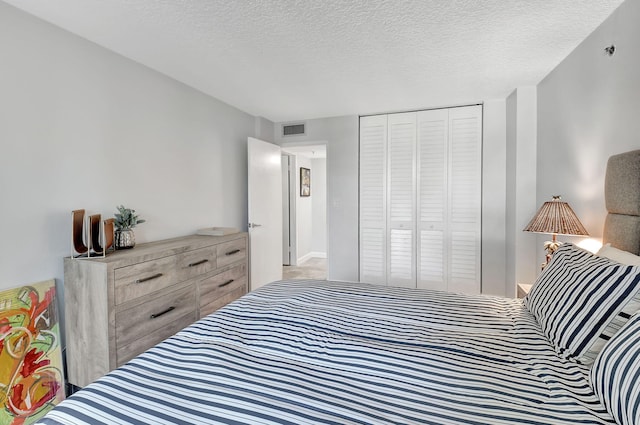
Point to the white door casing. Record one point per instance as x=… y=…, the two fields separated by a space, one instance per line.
x=265 y=212
x=286 y=210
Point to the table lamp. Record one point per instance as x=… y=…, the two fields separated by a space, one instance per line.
x=557 y=218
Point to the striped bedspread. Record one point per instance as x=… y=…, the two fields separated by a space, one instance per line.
x=307 y=352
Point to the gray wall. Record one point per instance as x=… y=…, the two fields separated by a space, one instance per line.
x=263 y=129
x=82 y=127
x=589 y=109
x=319 y=205
x=304 y=212
x=341 y=137
x=493 y=197
x=521 y=185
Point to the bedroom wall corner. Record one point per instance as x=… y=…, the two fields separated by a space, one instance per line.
x=493 y=197
x=588 y=110
x=263 y=129
x=521 y=205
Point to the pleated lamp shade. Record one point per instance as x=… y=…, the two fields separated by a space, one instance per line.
x=556 y=217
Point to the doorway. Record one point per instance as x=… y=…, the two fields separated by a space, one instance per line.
x=304 y=206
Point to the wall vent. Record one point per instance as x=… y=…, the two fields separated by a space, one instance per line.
x=293 y=129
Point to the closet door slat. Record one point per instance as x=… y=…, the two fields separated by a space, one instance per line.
x=373 y=205
x=401 y=199
x=465 y=146
x=432 y=163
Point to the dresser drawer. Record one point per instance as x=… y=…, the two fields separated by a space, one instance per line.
x=220 y=302
x=144 y=278
x=125 y=353
x=214 y=287
x=148 y=323
x=232 y=251
x=195 y=263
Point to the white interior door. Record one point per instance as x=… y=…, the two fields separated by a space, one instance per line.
x=265 y=212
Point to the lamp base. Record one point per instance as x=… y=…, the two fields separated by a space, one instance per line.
x=551 y=247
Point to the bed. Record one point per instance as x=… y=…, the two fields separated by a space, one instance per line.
x=298 y=352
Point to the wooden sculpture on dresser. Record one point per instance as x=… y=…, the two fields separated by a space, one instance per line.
x=90 y=237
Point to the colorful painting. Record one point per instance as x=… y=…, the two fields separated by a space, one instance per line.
x=31 y=379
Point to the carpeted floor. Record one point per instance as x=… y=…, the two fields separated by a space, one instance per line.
x=314 y=268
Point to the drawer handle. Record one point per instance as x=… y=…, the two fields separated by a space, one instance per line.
x=146 y=279
x=235 y=251
x=197 y=263
x=162 y=313
x=226 y=283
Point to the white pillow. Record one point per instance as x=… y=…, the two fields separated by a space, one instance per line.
x=615 y=375
x=615 y=254
x=581 y=300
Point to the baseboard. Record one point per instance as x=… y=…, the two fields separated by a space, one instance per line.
x=312 y=254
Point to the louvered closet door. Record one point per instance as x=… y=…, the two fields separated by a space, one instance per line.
x=432 y=178
x=420 y=199
x=373 y=195
x=401 y=198
x=465 y=177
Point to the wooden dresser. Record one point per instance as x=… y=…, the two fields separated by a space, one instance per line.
x=119 y=306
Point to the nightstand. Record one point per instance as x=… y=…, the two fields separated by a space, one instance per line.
x=523 y=289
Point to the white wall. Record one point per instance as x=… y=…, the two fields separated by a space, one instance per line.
x=82 y=127
x=341 y=137
x=588 y=110
x=319 y=206
x=263 y=129
x=521 y=257
x=304 y=212
x=493 y=197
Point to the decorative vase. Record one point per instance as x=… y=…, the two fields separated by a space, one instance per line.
x=125 y=239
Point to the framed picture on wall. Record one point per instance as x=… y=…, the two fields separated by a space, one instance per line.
x=305 y=182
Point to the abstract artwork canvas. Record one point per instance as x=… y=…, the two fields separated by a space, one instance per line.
x=31 y=377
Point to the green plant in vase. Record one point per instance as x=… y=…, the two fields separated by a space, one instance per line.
x=125 y=221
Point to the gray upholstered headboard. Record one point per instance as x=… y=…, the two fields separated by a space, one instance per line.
x=622 y=197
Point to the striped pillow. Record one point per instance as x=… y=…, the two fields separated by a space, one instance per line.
x=581 y=300
x=615 y=375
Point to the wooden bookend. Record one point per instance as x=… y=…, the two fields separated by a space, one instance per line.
x=94 y=230
x=108 y=233
x=77 y=225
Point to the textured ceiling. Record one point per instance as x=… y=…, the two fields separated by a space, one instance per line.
x=295 y=59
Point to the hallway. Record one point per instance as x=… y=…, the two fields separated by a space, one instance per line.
x=314 y=268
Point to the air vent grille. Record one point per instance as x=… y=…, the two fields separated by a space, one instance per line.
x=292 y=129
